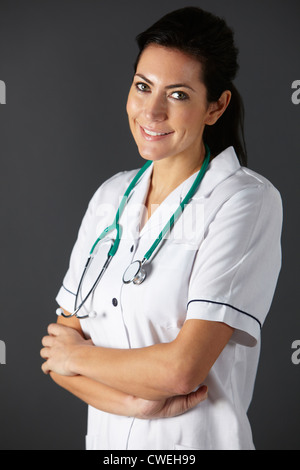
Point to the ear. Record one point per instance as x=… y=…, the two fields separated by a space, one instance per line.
x=217 y=108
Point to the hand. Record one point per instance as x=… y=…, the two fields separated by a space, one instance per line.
x=173 y=406
x=58 y=348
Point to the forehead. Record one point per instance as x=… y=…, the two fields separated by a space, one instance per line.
x=165 y=64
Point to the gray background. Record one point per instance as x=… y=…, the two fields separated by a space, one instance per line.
x=67 y=66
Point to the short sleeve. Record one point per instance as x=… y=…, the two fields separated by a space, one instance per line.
x=97 y=216
x=67 y=293
x=237 y=266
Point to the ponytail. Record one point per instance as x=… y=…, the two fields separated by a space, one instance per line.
x=229 y=129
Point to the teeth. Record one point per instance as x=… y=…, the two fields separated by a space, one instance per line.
x=155 y=133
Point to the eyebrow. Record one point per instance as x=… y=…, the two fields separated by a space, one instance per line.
x=168 y=87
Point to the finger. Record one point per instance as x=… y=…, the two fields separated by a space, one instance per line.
x=197 y=397
x=55 y=329
x=45 y=353
x=45 y=368
x=203 y=391
x=47 y=341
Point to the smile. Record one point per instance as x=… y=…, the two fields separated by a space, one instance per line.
x=152 y=135
x=155 y=133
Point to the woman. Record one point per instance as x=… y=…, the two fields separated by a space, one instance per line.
x=171 y=363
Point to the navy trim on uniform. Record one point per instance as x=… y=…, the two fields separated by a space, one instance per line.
x=68 y=290
x=227 y=305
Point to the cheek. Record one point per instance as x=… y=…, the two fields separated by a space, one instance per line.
x=192 y=121
x=132 y=109
x=132 y=106
x=128 y=106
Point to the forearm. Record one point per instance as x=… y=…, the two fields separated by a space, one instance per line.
x=111 y=401
x=152 y=373
x=98 y=395
x=148 y=372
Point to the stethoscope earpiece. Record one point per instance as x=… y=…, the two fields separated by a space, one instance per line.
x=92 y=314
x=60 y=313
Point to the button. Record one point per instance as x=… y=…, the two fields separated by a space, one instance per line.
x=114 y=302
x=132 y=248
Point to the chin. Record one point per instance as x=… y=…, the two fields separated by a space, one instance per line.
x=152 y=155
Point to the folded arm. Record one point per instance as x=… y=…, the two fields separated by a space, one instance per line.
x=153 y=373
x=114 y=401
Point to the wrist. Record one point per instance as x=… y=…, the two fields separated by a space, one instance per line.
x=76 y=358
x=133 y=406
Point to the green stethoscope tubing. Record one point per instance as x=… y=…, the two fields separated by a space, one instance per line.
x=116 y=226
x=183 y=203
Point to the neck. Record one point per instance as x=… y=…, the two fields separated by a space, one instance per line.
x=169 y=173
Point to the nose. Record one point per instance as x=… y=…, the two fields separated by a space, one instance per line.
x=155 y=109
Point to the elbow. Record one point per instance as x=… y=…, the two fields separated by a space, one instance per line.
x=186 y=379
x=186 y=385
x=178 y=372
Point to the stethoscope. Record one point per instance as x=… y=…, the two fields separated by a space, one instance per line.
x=135 y=272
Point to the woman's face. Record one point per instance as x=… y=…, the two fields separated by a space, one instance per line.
x=167 y=106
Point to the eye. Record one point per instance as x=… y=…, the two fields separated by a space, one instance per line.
x=142 y=86
x=179 y=95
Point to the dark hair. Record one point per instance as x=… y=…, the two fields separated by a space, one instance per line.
x=209 y=39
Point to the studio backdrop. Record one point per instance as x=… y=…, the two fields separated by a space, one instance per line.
x=65 y=71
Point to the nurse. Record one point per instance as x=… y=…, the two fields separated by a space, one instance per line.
x=170 y=363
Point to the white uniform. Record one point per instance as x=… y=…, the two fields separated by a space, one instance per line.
x=219 y=263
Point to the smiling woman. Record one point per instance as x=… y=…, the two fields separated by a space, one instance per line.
x=170 y=362
x=167 y=105
x=207 y=39
x=168 y=112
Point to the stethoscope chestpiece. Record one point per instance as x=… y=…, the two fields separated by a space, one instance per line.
x=134 y=273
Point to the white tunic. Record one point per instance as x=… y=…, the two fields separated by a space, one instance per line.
x=220 y=263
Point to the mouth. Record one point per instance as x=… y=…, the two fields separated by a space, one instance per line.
x=153 y=135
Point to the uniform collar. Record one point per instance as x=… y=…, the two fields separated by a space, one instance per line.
x=220 y=168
